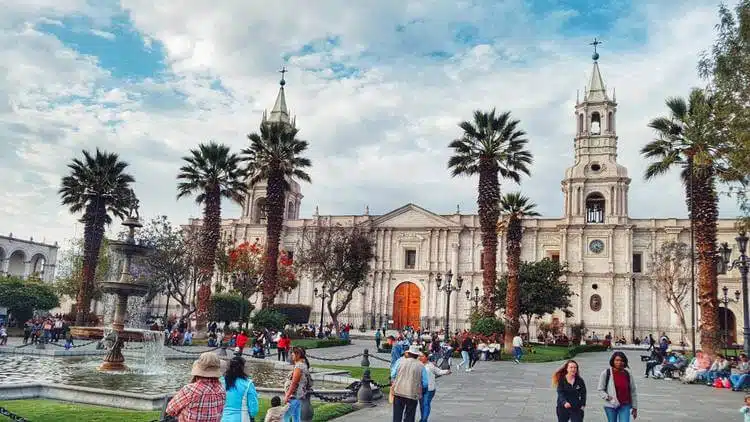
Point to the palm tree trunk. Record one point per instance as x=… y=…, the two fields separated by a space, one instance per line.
x=489 y=211
x=210 y=235
x=93 y=233
x=275 y=215
x=705 y=219
x=512 y=297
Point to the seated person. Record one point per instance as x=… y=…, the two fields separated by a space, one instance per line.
x=674 y=362
x=493 y=352
x=740 y=377
x=258 y=350
x=697 y=369
x=483 y=350
x=721 y=368
x=653 y=361
x=212 y=340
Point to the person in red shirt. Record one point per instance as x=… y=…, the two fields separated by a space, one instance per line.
x=617 y=388
x=242 y=340
x=282 y=347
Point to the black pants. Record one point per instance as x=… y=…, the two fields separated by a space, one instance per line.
x=650 y=365
x=281 y=354
x=404 y=410
x=569 y=415
x=473 y=358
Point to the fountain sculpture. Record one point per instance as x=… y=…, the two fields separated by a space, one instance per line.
x=124 y=287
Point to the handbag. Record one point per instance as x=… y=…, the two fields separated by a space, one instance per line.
x=243 y=408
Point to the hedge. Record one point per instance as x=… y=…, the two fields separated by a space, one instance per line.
x=320 y=343
x=585 y=349
x=295 y=313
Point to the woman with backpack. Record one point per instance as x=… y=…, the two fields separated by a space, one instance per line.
x=617 y=388
x=298 y=384
x=571 y=392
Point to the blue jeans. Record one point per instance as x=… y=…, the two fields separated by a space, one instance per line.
x=465 y=357
x=517 y=353
x=294 y=413
x=424 y=405
x=712 y=375
x=618 y=414
x=739 y=380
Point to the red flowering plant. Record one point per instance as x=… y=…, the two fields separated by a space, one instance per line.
x=246 y=262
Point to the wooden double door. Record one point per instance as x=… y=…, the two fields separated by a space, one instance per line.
x=407 y=300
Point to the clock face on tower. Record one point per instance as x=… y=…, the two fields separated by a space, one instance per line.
x=596 y=246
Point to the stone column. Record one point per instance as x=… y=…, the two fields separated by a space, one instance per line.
x=26 y=269
x=611 y=316
x=454 y=269
x=4 y=264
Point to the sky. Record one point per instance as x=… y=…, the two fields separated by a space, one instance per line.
x=378 y=89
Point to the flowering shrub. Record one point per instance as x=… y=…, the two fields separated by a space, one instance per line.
x=249 y=259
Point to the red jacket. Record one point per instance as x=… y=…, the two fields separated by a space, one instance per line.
x=283 y=343
x=241 y=340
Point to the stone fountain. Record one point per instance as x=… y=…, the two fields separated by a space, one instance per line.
x=124 y=287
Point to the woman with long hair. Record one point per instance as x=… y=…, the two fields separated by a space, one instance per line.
x=571 y=392
x=617 y=388
x=298 y=384
x=242 y=399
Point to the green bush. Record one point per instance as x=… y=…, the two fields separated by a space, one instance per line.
x=585 y=348
x=295 y=313
x=488 y=326
x=228 y=307
x=268 y=318
x=320 y=343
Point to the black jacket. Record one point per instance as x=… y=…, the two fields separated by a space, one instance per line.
x=574 y=394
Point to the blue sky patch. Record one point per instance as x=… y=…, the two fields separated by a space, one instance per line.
x=119 y=48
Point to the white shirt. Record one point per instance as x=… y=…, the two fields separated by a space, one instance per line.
x=517 y=341
x=433 y=372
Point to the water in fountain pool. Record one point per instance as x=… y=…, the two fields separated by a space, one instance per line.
x=136 y=316
x=82 y=371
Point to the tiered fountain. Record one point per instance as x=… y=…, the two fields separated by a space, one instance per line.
x=124 y=287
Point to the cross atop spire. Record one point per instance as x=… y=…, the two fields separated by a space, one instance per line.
x=282 y=71
x=280 y=112
x=595 y=43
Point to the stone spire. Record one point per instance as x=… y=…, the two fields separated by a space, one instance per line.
x=280 y=112
x=596 y=90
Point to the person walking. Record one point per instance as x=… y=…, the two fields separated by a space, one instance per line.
x=467 y=347
x=297 y=385
x=425 y=404
x=517 y=348
x=242 y=400
x=571 y=392
x=377 y=340
x=617 y=389
x=203 y=399
x=282 y=347
x=410 y=380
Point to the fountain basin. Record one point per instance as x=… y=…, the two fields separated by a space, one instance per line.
x=124 y=288
x=127 y=248
x=97 y=333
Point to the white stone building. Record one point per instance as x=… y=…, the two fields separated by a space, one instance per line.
x=24 y=258
x=607 y=251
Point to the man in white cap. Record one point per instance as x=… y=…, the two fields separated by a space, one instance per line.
x=409 y=381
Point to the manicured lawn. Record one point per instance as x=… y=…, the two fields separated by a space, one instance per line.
x=552 y=353
x=55 y=411
x=379 y=375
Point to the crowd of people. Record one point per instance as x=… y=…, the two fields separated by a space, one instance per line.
x=44 y=329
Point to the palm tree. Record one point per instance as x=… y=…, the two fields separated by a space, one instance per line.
x=211 y=172
x=275 y=155
x=514 y=207
x=690 y=140
x=98 y=186
x=491 y=146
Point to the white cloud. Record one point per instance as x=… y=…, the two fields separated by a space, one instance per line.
x=378 y=138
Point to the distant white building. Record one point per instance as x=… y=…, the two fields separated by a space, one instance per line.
x=607 y=251
x=24 y=258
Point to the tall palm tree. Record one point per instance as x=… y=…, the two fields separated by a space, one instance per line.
x=211 y=172
x=98 y=186
x=491 y=146
x=514 y=208
x=275 y=155
x=689 y=140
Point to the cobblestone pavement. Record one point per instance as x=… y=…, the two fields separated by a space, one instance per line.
x=503 y=391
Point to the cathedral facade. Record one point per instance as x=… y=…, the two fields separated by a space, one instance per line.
x=607 y=252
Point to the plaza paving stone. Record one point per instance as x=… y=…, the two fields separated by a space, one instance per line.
x=504 y=391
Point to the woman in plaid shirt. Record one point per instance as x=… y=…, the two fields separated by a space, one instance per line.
x=203 y=399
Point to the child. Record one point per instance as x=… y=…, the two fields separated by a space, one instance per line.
x=745 y=410
x=276 y=412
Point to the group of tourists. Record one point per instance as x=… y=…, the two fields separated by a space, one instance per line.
x=49 y=329
x=223 y=392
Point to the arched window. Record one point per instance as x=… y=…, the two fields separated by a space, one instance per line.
x=259 y=211
x=580 y=123
x=610 y=122
x=290 y=211
x=596 y=123
x=595 y=208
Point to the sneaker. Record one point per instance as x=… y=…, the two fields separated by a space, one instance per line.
x=646 y=375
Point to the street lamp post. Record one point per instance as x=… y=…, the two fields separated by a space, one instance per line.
x=448 y=288
x=726 y=300
x=743 y=264
x=476 y=298
x=322 y=297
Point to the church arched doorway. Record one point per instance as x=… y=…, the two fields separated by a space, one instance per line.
x=407 y=300
x=728 y=325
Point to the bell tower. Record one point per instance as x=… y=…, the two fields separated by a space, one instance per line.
x=596 y=186
x=255 y=203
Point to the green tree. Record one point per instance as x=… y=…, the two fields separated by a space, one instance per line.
x=542 y=291
x=514 y=208
x=268 y=318
x=69 y=275
x=23 y=297
x=340 y=259
x=491 y=146
x=99 y=186
x=690 y=140
x=228 y=307
x=276 y=156
x=211 y=172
